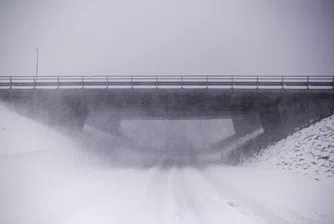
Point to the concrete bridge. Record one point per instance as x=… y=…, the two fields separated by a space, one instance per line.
x=272 y=102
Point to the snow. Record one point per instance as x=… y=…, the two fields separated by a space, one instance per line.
x=309 y=152
x=21 y=135
x=233 y=145
x=56 y=176
x=277 y=195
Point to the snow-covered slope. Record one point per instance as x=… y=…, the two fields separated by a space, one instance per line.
x=309 y=151
x=239 y=142
x=21 y=135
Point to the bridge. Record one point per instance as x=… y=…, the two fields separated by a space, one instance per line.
x=270 y=101
x=169 y=81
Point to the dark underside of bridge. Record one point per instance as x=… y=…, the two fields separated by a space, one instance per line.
x=274 y=110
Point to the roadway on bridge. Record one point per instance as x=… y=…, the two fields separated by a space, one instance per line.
x=92 y=177
x=168 y=81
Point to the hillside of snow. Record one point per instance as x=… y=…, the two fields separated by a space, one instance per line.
x=309 y=151
x=21 y=135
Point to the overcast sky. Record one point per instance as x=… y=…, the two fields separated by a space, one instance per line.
x=167 y=37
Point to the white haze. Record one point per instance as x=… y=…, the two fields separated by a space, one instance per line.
x=90 y=177
x=165 y=134
x=167 y=37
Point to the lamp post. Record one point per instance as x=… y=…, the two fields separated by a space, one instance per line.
x=37 y=55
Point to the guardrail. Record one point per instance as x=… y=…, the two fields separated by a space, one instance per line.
x=210 y=81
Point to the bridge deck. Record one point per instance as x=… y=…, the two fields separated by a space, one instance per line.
x=178 y=82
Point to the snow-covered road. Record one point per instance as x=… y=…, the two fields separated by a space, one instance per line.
x=37 y=192
x=154 y=195
x=60 y=180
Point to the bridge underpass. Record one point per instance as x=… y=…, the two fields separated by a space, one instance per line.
x=275 y=103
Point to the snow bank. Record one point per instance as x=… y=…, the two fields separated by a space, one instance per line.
x=309 y=151
x=275 y=194
x=21 y=135
x=239 y=142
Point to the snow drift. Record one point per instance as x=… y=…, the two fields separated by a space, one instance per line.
x=309 y=151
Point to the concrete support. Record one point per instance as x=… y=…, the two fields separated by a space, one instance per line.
x=294 y=112
x=324 y=107
x=8 y=98
x=34 y=106
x=245 y=123
x=79 y=113
x=270 y=116
x=300 y=111
x=71 y=113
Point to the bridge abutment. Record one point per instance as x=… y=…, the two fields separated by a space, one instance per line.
x=245 y=123
x=293 y=112
x=67 y=111
x=270 y=116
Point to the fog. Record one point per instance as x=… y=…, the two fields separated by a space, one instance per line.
x=162 y=134
x=52 y=175
x=57 y=169
x=167 y=37
x=139 y=144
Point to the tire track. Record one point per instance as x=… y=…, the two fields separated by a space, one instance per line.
x=243 y=203
x=206 y=203
x=181 y=211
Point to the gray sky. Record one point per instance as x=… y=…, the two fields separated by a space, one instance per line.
x=167 y=37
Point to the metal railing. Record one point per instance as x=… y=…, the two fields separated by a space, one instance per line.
x=165 y=81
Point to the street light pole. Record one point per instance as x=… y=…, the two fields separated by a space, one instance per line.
x=37 y=55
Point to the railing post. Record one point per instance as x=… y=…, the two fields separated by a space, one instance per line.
x=333 y=82
x=257 y=82
x=131 y=81
x=34 y=82
x=282 y=82
x=156 y=82
x=232 y=82
x=11 y=82
x=181 y=82
x=58 y=82
x=107 y=79
x=207 y=78
x=308 y=81
x=82 y=82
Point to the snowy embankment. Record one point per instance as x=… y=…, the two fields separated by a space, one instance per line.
x=235 y=144
x=309 y=151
